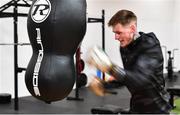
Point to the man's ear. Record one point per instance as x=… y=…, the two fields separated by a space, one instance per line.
x=133 y=28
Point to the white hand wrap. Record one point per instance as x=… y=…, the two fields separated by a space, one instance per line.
x=99 y=59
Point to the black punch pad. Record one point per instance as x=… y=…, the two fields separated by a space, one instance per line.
x=108 y=109
x=5 y=98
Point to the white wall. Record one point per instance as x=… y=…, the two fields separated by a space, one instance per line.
x=7 y=53
x=176 y=36
x=158 y=16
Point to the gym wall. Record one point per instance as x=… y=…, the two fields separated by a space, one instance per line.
x=158 y=16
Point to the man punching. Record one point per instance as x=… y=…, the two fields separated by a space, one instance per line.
x=143 y=65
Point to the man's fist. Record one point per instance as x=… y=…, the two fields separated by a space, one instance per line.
x=97 y=86
x=98 y=58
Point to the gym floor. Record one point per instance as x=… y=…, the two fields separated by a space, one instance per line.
x=30 y=105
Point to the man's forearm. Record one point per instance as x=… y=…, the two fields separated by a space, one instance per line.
x=118 y=73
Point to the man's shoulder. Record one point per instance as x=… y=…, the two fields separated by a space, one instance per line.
x=148 y=38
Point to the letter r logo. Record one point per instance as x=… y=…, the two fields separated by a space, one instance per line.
x=40 y=10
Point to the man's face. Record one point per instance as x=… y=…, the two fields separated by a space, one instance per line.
x=124 y=34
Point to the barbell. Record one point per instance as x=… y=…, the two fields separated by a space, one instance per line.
x=20 y=44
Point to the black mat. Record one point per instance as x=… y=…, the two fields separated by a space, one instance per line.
x=30 y=105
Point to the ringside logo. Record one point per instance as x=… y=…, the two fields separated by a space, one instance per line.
x=40 y=10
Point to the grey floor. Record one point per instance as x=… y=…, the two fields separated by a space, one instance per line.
x=30 y=105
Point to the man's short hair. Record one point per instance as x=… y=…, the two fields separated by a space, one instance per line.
x=123 y=17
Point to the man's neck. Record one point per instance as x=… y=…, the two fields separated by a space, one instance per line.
x=136 y=35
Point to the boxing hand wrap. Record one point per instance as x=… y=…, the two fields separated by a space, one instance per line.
x=97 y=86
x=98 y=58
x=117 y=72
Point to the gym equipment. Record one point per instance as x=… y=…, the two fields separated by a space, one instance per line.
x=55 y=30
x=170 y=66
x=15 y=14
x=80 y=65
x=170 y=63
x=81 y=79
x=13 y=44
x=173 y=90
x=100 y=20
x=5 y=98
